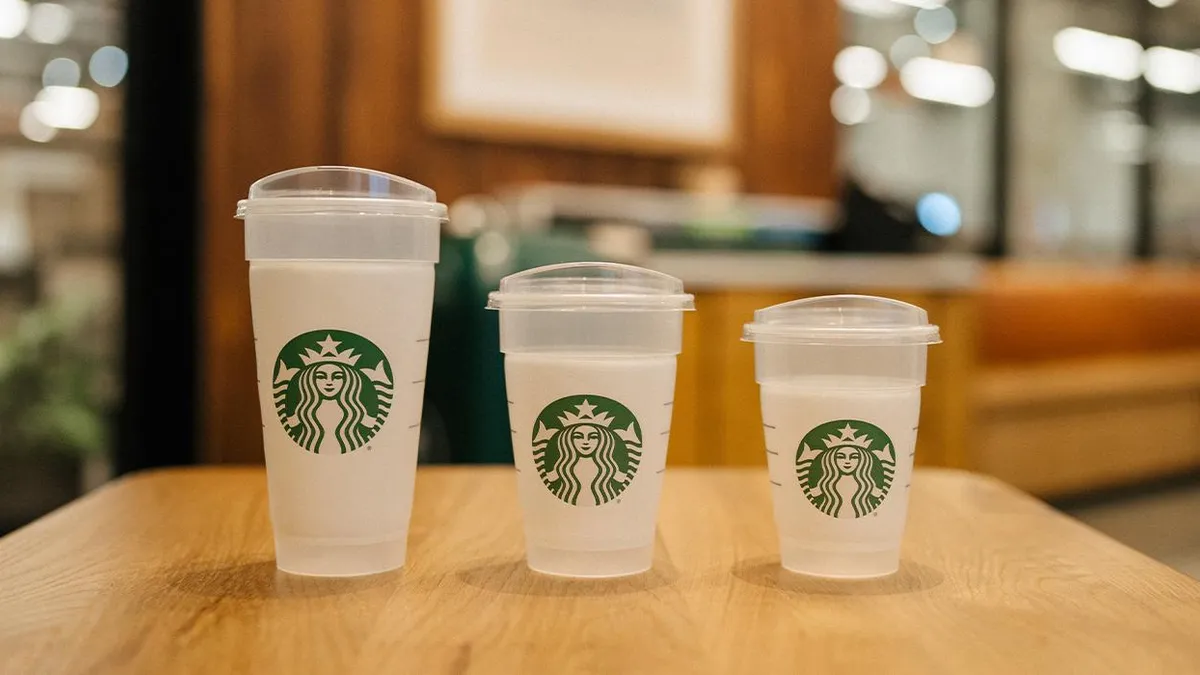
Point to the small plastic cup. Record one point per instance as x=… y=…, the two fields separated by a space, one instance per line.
x=589 y=359
x=341 y=292
x=840 y=379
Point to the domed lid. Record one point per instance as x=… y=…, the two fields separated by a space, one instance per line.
x=843 y=320
x=590 y=285
x=339 y=189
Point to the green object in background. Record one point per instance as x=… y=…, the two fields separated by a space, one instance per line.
x=466 y=413
x=55 y=396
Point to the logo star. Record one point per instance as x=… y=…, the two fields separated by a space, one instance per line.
x=847 y=431
x=586 y=409
x=328 y=345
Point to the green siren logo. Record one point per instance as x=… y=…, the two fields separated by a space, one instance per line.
x=587 y=449
x=846 y=467
x=332 y=390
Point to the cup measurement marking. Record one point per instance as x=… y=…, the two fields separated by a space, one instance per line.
x=769 y=426
x=772 y=452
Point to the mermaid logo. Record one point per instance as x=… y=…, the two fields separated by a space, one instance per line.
x=326 y=396
x=590 y=442
x=846 y=467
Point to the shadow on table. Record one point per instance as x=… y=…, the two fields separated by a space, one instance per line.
x=261 y=581
x=514 y=577
x=911 y=578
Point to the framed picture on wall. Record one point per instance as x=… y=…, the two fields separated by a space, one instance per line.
x=647 y=77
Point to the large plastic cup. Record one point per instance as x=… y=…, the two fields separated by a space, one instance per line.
x=840 y=379
x=341 y=291
x=589 y=359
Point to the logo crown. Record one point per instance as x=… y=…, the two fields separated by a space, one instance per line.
x=848 y=437
x=586 y=414
x=329 y=353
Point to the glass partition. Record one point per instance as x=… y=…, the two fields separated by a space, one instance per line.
x=61 y=74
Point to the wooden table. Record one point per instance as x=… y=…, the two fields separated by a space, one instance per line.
x=171 y=572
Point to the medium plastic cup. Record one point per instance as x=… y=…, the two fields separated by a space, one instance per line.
x=589 y=359
x=341 y=291
x=840 y=379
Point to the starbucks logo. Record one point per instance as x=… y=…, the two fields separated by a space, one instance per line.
x=846 y=467
x=587 y=449
x=332 y=389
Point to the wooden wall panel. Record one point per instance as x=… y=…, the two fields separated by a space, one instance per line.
x=297 y=82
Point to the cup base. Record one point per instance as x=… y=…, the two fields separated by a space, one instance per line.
x=323 y=558
x=838 y=564
x=589 y=564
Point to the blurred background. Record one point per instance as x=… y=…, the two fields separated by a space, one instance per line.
x=1023 y=169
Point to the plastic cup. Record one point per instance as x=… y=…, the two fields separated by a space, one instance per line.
x=840 y=379
x=589 y=360
x=341 y=292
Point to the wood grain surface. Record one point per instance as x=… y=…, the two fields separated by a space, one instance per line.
x=171 y=572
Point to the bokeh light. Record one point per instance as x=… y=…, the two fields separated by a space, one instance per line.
x=49 y=23
x=67 y=107
x=33 y=128
x=939 y=214
x=935 y=25
x=861 y=67
x=876 y=9
x=1088 y=51
x=61 y=72
x=108 y=66
x=947 y=82
x=907 y=48
x=14 y=14
x=850 y=105
x=1173 y=69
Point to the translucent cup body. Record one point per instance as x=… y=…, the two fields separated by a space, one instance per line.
x=592 y=527
x=340 y=494
x=590 y=352
x=866 y=397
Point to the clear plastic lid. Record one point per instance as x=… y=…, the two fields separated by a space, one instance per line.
x=843 y=320
x=590 y=286
x=320 y=190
